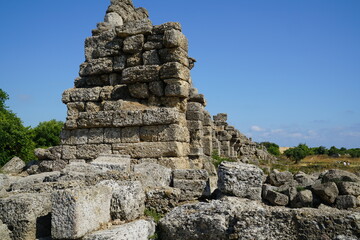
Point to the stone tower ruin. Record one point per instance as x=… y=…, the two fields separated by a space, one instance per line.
x=134 y=96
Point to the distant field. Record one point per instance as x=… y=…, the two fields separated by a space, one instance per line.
x=319 y=163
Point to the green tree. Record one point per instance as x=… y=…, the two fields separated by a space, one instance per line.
x=272 y=148
x=333 y=151
x=320 y=150
x=47 y=134
x=15 y=139
x=298 y=153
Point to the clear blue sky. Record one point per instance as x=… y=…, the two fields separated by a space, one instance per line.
x=286 y=71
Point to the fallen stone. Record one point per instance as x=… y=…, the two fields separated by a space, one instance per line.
x=349 y=188
x=346 y=201
x=76 y=212
x=278 y=178
x=14 y=166
x=241 y=180
x=162 y=199
x=25 y=182
x=154 y=175
x=27 y=215
x=327 y=192
x=119 y=163
x=304 y=179
x=337 y=175
x=192 y=189
x=137 y=230
x=276 y=198
x=4 y=232
x=128 y=199
x=302 y=199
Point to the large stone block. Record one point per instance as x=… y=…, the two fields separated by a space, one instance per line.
x=134 y=60
x=161 y=116
x=174 y=38
x=349 y=188
x=176 y=88
x=174 y=70
x=192 y=189
x=346 y=201
x=157 y=88
x=91 y=151
x=139 y=90
x=137 y=230
x=327 y=192
x=119 y=63
x=146 y=73
x=174 y=55
x=152 y=149
x=104 y=45
x=191 y=174
x=25 y=182
x=128 y=199
x=96 y=67
x=153 y=175
x=76 y=212
x=162 y=199
x=143 y=26
x=241 y=180
x=160 y=29
x=112 y=135
x=151 y=58
x=15 y=165
x=175 y=163
x=95 y=120
x=114 y=162
x=164 y=133
x=128 y=118
x=133 y=44
x=276 y=198
x=96 y=135
x=27 y=215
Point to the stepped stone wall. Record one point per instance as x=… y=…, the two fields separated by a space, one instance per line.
x=134 y=96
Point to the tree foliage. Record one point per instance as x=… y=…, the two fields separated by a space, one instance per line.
x=47 y=134
x=15 y=139
x=298 y=153
x=272 y=148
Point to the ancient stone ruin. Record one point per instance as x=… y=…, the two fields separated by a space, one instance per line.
x=138 y=142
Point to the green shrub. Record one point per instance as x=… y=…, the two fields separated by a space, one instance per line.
x=272 y=148
x=47 y=134
x=217 y=160
x=152 y=213
x=298 y=153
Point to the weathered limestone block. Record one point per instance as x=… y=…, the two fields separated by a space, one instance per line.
x=76 y=212
x=349 y=188
x=220 y=118
x=160 y=29
x=153 y=175
x=179 y=55
x=157 y=88
x=224 y=136
x=114 y=19
x=191 y=174
x=174 y=163
x=195 y=115
x=303 y=199
x=192 y=189
x=145 y=73
x=346 y=201
x=112 y=135
x=194 y=125
x=337 y=175
x=241 y=180
x=120 y=92
x=128 y=118
x=161 y=116
x=130 y=135
x=151 y=58
x=24 y=182
x=207 y=146
x=174 y=70
x=104 y=45
x=199 y=98
x=112 y=105
x=174 y=38
x=304 y=179
x=327 y=192
x=137 y=230
x=74 y=107
x=119 y=63
x=4 y=231
x=278 y=178
x=133 y=44
x=176 y=88
x=119 y=163
x=134 y=60
x=91 y=151
x=96 y=67
x=96 y=135
x=127 y=201
x=143 y=26
x=51 y=165
x=276 y=198
x=106 y=91
x=152 y=45
x=164 y=133
x=162 y=199
x=152 y=149
x=139 y=90
x=95 y=119
x=27 y=215
x=15 y=165
x=4 y=183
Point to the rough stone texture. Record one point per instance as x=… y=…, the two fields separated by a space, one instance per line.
x=162 y=199
x=4 y=232
x=15 y=165
x=154 y=175
x=128 y=199
x=119 y=163
x=241 y=180
x=276 y=198
x=303 y=199
x=27 y=215
x=234 y=218
x=346 y=201
x=327 y=192
x=278 y=178
x=76 y=212
x=337 y=175
x=304 y=179
x=137 y=230
x=25 y=182
x=349 y=188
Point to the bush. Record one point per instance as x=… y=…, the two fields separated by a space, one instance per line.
x=320 y=150
x=47 y=134
x=272 y=148
x=15 y=139
x=217 y=160
x=298 y=153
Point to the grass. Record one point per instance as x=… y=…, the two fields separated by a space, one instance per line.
x=316 y=163
x=152 y=213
